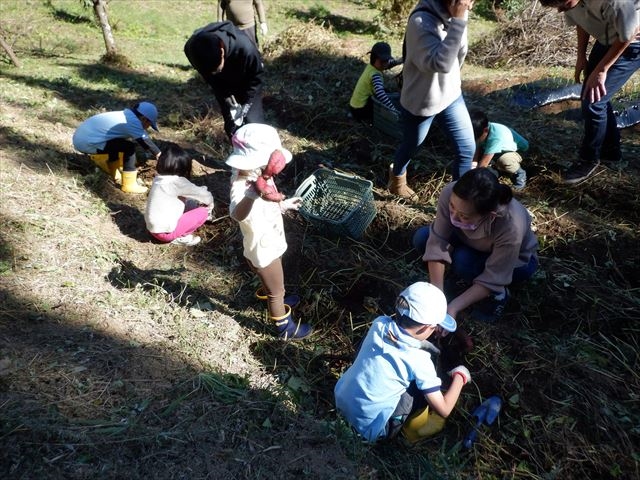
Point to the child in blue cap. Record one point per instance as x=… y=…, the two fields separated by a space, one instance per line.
x=109 y=139
x=393 y=384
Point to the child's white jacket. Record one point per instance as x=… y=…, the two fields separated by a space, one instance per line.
x=164 y=208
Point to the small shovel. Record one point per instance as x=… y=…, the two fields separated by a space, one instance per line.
x=486 y=413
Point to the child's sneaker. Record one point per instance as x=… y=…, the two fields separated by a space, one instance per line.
x=490 y=309
x=187 y=241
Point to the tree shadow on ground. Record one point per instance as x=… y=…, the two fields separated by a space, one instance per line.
x=127 y=81
x=99 y=405
x=63 y=16
x=338 y=23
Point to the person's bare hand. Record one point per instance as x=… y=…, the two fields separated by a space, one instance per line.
x=459 y=8
x=581 y=66
x=594 y=88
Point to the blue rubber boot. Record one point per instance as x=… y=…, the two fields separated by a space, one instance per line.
x=487 y=413
x=288 y=328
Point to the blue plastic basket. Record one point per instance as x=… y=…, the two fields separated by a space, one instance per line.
x=337 y=203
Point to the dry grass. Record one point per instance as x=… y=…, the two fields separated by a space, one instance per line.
x=538 y=37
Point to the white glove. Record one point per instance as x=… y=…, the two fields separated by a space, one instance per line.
x=236 y=114
x=263 y=28
x=463 y=371
x=239 y=114
x=292 y=203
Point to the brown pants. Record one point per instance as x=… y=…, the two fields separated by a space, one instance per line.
x=272 y=279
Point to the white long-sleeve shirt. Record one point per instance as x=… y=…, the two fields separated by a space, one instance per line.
x=164 y=208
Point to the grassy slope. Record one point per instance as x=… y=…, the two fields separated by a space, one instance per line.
x=125 y=358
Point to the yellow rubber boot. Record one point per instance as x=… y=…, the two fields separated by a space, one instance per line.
x=101 y=160
x=115 y=168
x=129 y=183
x=112 y=168
x=421 y=425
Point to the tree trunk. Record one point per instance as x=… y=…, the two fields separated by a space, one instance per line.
x=100 y=9
x=7 y=48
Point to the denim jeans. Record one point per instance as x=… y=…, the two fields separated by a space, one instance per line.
x=600 y=126
x=455 y=122
x=467 y=263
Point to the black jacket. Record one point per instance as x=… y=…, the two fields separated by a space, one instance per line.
x=242 y=73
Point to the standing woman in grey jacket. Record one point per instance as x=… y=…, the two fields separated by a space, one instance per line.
x=436 y=45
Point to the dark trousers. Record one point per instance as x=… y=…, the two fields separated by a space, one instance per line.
x=116 y=145
x=364 y=114
x=467 y=263
x=411 y=401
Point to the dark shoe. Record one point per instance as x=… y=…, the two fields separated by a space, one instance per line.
x=611 y=155
x=289 y=329
x=491 y=309
x=519 y=179
x=579 y=171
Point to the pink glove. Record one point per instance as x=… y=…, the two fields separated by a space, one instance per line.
x=276 y=164
x=267 y=190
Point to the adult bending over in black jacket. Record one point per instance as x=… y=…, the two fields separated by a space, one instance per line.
x=231 y=64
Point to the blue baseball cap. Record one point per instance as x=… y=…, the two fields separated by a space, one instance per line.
x=150 y=112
